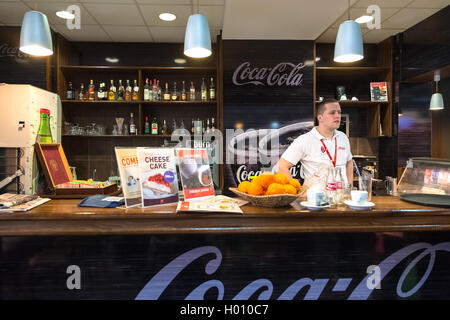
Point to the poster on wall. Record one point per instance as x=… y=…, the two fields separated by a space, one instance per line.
x=268 y=102
x=127 y=161
x=158 y=176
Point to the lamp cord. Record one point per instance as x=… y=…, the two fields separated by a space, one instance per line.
x=348 y=11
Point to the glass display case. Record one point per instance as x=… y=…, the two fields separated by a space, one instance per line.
x=426 y=181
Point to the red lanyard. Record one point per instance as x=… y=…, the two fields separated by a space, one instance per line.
x=335 y=151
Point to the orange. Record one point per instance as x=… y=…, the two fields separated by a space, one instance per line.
x=255 y=189
x=295 y=183
x=275 y=188
x=289 y=189
x=281 y=178
x=243 y=186
x=266 y=180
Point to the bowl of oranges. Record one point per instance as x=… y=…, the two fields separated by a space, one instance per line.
x=269 y=190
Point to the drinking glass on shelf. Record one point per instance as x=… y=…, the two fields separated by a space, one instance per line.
x=115 y=132
x=100 y=129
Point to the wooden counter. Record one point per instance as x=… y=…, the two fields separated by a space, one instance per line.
x=64 y=217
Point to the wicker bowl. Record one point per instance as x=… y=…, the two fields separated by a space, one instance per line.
x=272 y=201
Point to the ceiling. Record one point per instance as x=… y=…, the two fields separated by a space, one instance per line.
x=137 y=20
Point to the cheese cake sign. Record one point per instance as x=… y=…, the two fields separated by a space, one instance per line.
x=283 y=74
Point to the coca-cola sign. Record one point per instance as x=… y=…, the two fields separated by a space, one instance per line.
x=8 y=51
x=282 y=74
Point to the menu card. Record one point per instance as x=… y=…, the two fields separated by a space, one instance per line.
x=195 y=174
x=158 y=176
x=127 y=161
x=215 y=204
x=378 y=91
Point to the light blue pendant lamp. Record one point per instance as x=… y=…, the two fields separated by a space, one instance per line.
x=349 y=44
x=197 y=40
x=437 y=101
x=35 y=36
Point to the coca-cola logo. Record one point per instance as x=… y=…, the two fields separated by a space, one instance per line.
x=322 y=148
x=242 y=174
x=8 y=51
x=283 y=74
x=159 y=283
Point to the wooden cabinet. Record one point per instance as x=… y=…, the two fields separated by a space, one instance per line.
x=370 y=119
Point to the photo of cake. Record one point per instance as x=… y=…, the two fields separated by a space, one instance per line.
x=157 y=184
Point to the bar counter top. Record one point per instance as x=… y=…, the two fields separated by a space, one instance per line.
x=64 y=217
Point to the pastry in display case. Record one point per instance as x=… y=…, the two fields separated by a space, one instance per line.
x=426 y=181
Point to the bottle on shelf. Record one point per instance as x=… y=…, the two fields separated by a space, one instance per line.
x=128 y=91
x=135 y=95
x=70 y=94
x=146 y=126
x=121 y=91
x=82 y=94
x=182 y=124
x=198 y=126
x=183 y=93
x=44 y=134
x=112 y=92
x=100 y=92
x=212 y=125
x=204 y=94
x=147 y=90
x=154 y=126
x=174 y=125
x=166 y=93
x=193 y=127
x=212 y=90
x=91 y=96
x=207 y=126
x=174 y=96
x=164 y=128
x=192 y=91
x=159 y=91
x=132 y=125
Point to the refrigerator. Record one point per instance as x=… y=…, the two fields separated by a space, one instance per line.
x=19 y=122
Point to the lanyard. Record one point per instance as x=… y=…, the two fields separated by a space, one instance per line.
x=328 y=153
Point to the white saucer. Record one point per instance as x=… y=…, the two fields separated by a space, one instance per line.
x=357 y=206
x=312 y=207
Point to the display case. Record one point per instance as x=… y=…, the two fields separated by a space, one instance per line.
x=426 y=181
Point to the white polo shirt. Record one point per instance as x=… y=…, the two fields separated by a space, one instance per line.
x=309 y=149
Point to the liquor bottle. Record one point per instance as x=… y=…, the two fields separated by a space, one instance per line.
x=166 y=93
x=203 y=126
x=193 y=127
x=212 y=125
x=128 y=91
x=100 y=92
x=146 y=90
x=132 y=125
x=112 y=92
x=150 y=91
x=198 y=127
x=70 y=94
x=182 y=124
x=203 y=90
x=212 y=90
x=174 y=125
x=192 y=92
x=91 y=96
x=81 y=94
x=44 y=133
x=121 y=92
x=164 y=128
x=147 y=126
x=174 y=96
x=207 y=126
x=154 y=126
x=154 y=90
x=183 y=93
x=135 y=95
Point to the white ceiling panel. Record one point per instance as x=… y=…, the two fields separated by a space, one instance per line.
x=115 y=14
x=128 y=34
x=12 y=13
x=328 y=36
x=386 y=13
x=168 y=34
x=383 y=3
x=214 y=14
x=50 y=10
x=438 y=4
x=151 y=15
x=377 y=35
x=108 y=1
x=86 y=33
x=166 y=2
x=407 y=18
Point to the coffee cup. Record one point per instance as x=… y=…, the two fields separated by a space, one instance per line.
x=315 y=197
x=359 y=196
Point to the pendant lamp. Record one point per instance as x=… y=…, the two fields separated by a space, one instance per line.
x=197 y=40
x=437 y=101
x=349 y=44
x=35 y=36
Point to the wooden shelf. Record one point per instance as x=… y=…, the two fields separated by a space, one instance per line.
x=136 y=68
x=141 y=102
x=359 y=103
x=117 y=136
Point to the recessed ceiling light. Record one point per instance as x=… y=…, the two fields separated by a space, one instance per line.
x=112 y=59
x=65 y=15
x=317 y=58
x=180 y=61
x=167 y=16
x=364 y=19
